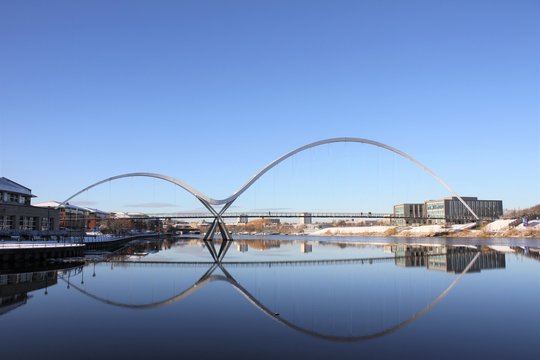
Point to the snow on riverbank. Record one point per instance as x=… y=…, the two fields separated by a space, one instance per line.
x=495 y=228
x=498 y=225
x=432 y=230
x=425 y=230
x=356 y=230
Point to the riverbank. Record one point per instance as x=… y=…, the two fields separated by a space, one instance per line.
x=498 y=228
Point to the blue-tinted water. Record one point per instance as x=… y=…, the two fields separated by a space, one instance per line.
x=268 y=299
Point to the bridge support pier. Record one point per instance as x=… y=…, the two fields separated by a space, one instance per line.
x=217 y=223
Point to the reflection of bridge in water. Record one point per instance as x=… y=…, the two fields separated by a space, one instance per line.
x=210 y=277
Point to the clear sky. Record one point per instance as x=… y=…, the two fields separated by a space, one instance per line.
x=211 y=91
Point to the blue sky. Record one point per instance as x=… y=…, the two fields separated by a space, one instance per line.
x=211 y=91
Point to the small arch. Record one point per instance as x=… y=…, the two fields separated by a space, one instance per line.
x=199 y=195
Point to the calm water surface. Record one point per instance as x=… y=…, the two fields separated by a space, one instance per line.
x=316 y=299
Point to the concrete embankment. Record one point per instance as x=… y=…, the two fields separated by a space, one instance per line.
x=35 y=252
x=28 y=252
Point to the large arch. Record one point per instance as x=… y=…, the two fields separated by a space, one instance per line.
x=208 y=201
x=403 y=154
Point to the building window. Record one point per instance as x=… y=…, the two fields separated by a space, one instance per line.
x=28 y=223
x=6 y=222
x=33 y=224
x=45 y=224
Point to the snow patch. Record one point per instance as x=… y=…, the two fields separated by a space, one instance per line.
x=498 y=225
x=354 y=230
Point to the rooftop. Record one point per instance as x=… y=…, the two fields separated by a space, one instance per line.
x=54 y=204
x=11 y=186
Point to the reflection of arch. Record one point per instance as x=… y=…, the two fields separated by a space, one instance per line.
x=208 y=278
x=207 y=201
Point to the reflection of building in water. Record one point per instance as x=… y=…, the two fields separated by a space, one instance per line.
x=14 y=288
x=448 y=259
x=533 y=253
x=410 y=256
x=242 y=247
x=306 y=248
x=456 y=260
x=264 y=244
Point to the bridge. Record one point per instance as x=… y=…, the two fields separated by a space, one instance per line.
x=282 y=214
x=218 y=216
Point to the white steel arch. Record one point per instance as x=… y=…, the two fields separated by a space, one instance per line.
x=199 y=195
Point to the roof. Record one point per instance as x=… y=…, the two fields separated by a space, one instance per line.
x=54 y=204
x=11 y=186
x=126 y=215
x=96 y=211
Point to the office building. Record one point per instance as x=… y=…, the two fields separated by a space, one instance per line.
x=71 y=217
x=18 y=217
x=408 y=214
x=451 y=210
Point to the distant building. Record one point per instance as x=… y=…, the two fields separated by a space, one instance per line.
x=18 y=216
x=305 y=219
x=408 y=214
x=272 y=221
x=95 y=218
x=72 y=218
x=243 y=219
x=447 y=210
x=451 y=210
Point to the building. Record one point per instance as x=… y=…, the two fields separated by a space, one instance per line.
x=306 y=219
x=18 y=217
x=71 y=217
x=242 y=219
x=95 y=218
x=451 y=210
x=408 y=214
x=272 y=222
x=447 y=211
